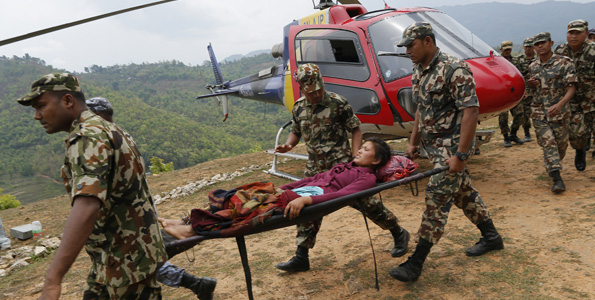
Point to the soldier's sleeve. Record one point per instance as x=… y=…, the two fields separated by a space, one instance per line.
x=462 y=87
x=89 y=160
x=570 y=76
x=295 y=125
x=350 y=119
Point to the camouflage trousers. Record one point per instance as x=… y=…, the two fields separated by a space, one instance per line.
x=526 y=102
x=553 y=138
x=518 y=119
x=147 y=289
x=373 y=209
x=580 y=128
x=442 y=192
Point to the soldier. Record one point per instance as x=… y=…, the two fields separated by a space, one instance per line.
x=553 y=78
x=522 y=63
x=324 y=120
x=168 y=274
x=445 y=123
x=516 y=111
x=112 y=211
x=592 y=35
x=582 y=105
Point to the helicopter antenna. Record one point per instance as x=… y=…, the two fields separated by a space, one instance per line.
x=75 y=23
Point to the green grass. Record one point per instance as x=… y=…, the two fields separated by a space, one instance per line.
x=31 y=189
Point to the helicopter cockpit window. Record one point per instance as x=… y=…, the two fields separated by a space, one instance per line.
x=451 y=37
x=338 y=53
x=363 y=101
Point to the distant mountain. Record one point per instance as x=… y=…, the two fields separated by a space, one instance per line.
x=236 y=57
x=495 y=22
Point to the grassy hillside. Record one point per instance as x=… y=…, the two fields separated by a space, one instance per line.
x=153 y=102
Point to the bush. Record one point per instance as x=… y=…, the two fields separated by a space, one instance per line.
x=8 y=201
x=157 y=165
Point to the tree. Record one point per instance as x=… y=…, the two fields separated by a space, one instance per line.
x=8 y=201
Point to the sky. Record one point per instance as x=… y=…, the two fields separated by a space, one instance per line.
x=179 y=30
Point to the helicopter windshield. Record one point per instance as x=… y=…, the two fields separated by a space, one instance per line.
x=451 y=37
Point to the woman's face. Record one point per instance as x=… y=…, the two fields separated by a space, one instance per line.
x=365 y=155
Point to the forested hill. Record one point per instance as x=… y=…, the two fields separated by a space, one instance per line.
x=153 y=102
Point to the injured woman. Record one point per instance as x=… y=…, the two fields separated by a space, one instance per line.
x=244 y=207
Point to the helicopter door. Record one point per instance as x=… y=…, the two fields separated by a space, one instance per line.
x=345 y=68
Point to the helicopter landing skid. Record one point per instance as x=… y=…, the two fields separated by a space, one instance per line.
x=273 y=170
x=483 y=137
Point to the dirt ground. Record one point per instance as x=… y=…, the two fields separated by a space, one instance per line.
x=549 y=239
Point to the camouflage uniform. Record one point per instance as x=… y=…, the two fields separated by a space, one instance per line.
x=442 y=90
x=516 y=112
x=522 y=63
x=325 y=128
x=125 y=245
x=582 y=105
x=552 y=132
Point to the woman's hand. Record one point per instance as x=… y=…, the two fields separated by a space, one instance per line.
x=294 y=207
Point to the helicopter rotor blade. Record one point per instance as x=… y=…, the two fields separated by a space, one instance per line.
x=79 y=22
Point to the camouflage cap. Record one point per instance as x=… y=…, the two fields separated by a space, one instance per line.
x=414 y=31
x=99 y=104
x=578 y=25
x=506 y=45
x=56 y=82
x=309 y=77
x=542 y=37
x=592 y=31
x=528 y=42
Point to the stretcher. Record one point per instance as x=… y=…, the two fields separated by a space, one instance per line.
x=308 y=213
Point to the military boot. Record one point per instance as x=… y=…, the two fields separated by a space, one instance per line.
x=401 y=237
x=515 y=139
x=527 y=135
x=203 y=287
x=580 y=161
x=410 y=270
x=558 y=186
x=507 y=141
x=490 y=240
x=299 y=263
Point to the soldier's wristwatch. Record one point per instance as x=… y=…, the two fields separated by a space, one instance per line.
x=462 y=155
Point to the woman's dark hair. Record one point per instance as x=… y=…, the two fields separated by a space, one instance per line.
x=381 y=149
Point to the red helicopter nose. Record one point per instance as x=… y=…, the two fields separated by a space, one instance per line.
x=499 y=84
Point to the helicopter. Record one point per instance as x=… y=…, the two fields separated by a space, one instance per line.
x=356 y=51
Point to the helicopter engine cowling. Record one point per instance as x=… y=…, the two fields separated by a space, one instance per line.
x=277 y=50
